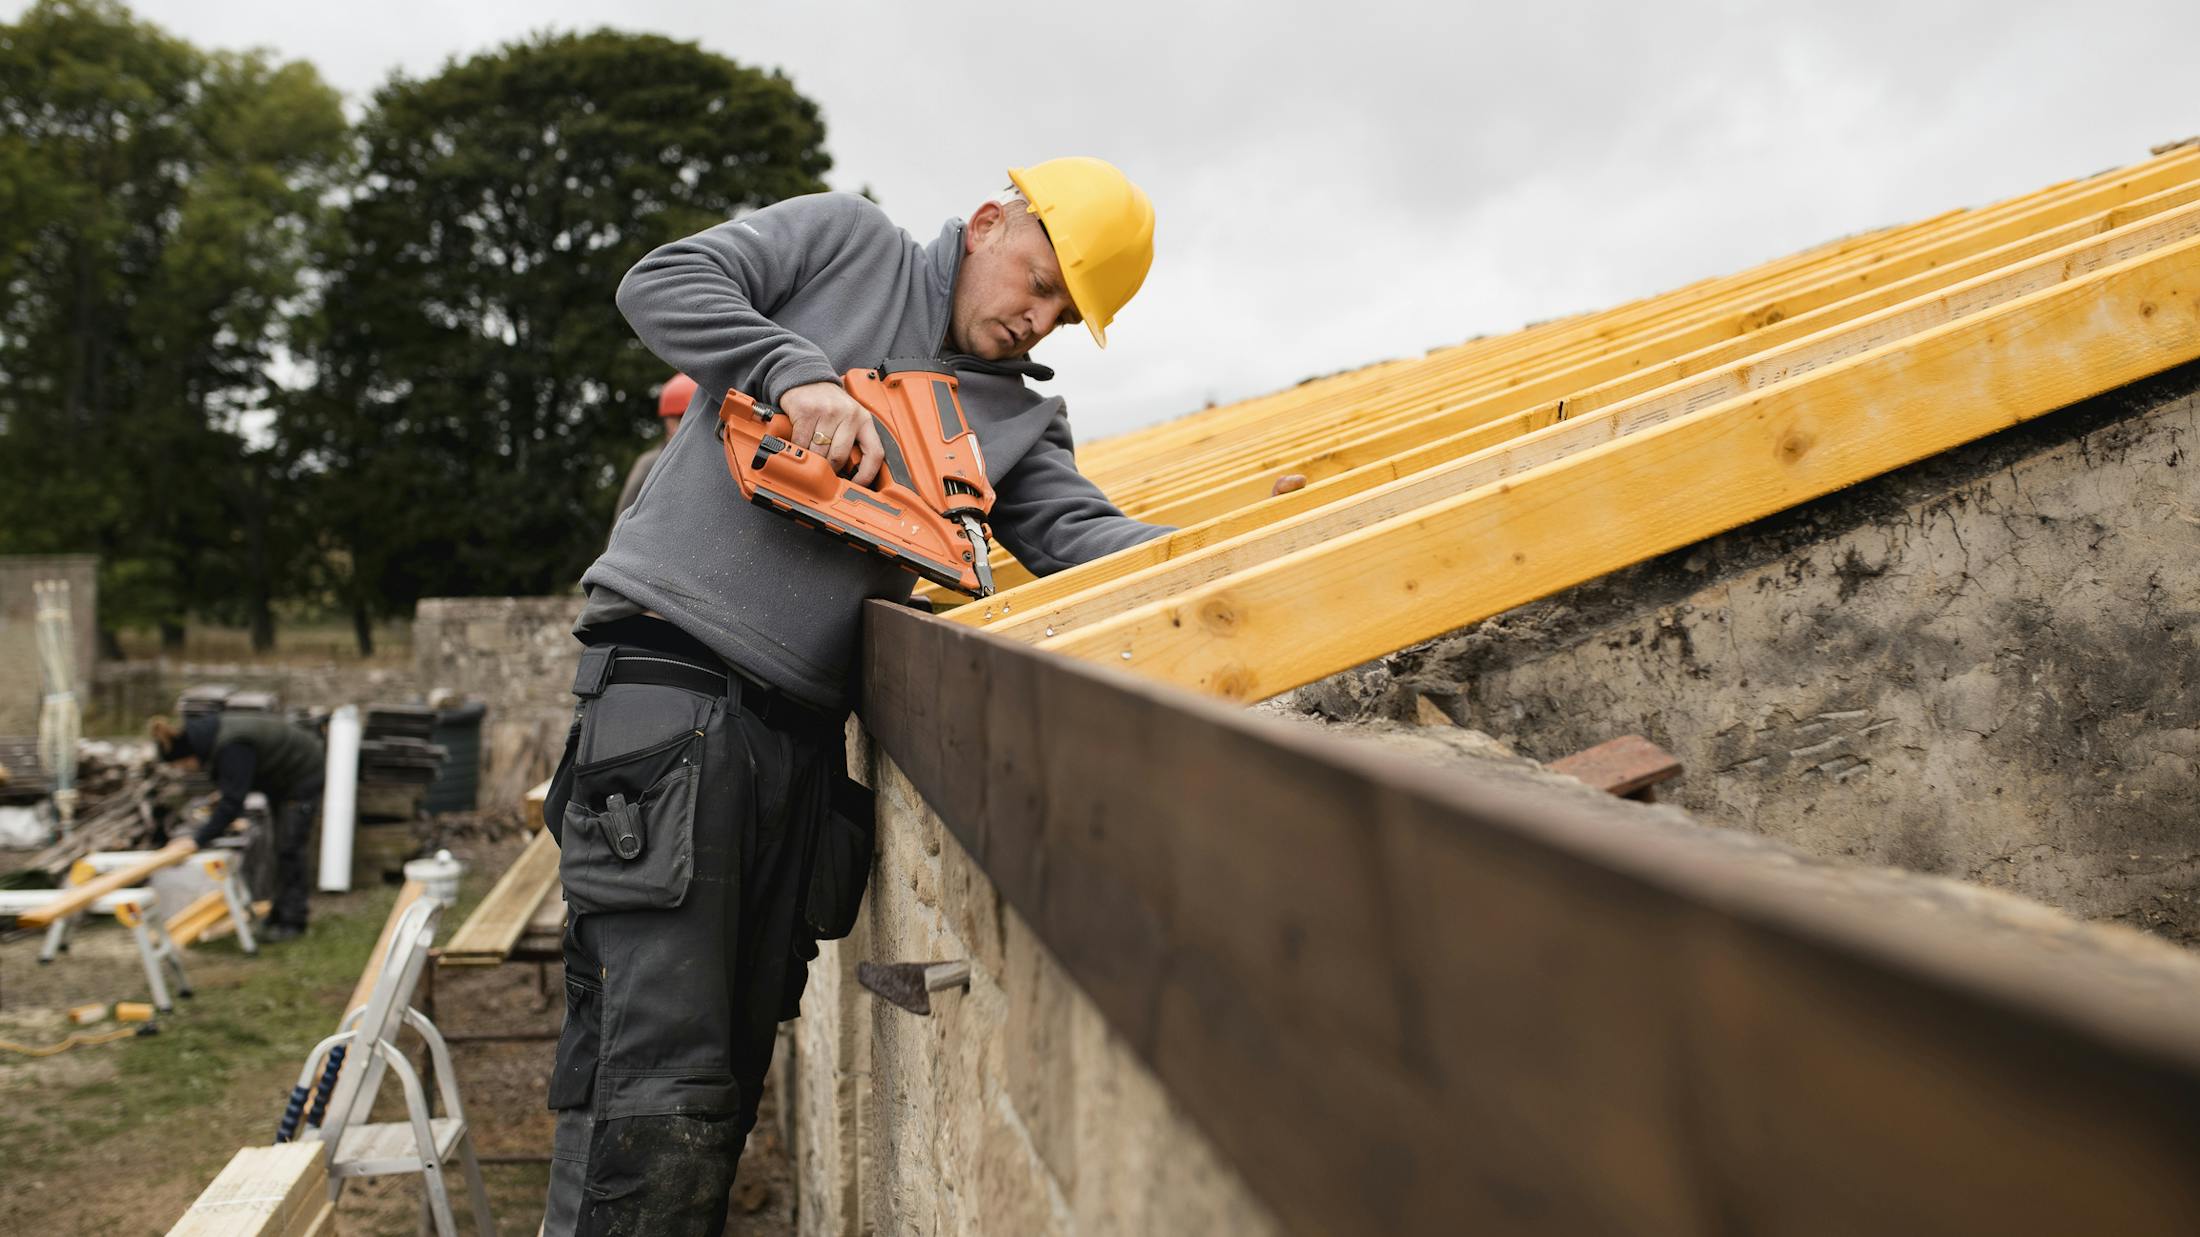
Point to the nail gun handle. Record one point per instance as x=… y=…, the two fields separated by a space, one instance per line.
x=755 y=421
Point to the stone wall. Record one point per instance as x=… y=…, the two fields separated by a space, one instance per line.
x=1012 y=1108
x=124 y=694
x=516 y=655
x=22 y=687
x=1980 y=666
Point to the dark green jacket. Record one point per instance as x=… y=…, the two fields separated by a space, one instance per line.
x=245 y=752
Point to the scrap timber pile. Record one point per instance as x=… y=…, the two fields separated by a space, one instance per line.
x=121 y=806
x=1446 y=489
x=22 y=778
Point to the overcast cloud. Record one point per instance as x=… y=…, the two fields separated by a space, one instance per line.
x=1341 y=183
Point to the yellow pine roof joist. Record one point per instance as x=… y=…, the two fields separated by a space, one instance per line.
x=1457 y=486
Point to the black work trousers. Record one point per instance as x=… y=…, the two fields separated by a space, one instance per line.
x=684 y=820
x=293 y=834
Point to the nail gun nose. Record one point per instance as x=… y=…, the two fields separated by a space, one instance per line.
x=981 y=554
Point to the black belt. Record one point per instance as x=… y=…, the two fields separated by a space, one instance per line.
x=768 y=705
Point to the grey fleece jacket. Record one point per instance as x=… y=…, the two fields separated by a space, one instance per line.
x=799 y=292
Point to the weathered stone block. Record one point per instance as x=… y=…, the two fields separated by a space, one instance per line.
x=1978 y=666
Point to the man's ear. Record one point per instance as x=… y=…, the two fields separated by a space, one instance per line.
x=982 y=222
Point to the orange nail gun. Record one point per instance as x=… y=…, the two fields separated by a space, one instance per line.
x=927 y=511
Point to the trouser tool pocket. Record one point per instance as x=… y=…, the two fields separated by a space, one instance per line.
x=628 y=836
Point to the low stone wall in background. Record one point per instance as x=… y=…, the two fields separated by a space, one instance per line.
x=514 y=654
x=124 y=694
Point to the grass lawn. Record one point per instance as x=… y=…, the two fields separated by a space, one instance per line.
x=119 y=1138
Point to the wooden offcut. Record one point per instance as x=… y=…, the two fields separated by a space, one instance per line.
x=488 y=935
x=530 y=808
x=1629 y=766
x=191 y=924
x=278 y=1191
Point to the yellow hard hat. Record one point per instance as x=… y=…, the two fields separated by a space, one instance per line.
x=1102 y=228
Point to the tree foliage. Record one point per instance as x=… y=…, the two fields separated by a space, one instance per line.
x=155 y=207
x=478 y=393
x=458 y=395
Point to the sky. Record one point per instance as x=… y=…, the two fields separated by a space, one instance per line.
x=1342 y=183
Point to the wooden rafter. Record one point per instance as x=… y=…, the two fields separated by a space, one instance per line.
x=1670 y=325
x=1397 y=411
x=1428 y=570
x=1199 y=555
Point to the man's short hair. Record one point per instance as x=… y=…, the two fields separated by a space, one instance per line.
x=1016 y=207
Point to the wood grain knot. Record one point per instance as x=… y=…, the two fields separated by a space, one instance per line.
x=1217 y=615
x=1234 y=683
x=1794 y=445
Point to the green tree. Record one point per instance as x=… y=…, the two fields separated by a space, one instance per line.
x=155 y=206
x=478 y=394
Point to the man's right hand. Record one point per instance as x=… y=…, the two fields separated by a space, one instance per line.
x=828 y=419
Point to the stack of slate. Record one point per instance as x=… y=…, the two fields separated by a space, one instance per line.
x=397 y=759
x=397 y=746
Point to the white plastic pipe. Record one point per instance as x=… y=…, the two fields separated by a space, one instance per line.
x=339 y=799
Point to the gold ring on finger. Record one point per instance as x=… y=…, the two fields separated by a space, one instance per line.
x=821 y=440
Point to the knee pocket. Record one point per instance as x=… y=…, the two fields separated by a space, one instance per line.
x=656 y=1171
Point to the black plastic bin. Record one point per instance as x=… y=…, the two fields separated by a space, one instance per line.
x=457 y=784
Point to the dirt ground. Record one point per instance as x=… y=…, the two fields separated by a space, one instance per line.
x=118 y=1138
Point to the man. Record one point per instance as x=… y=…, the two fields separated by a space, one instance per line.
x=245 y=752
x=672 y=403
x=706 y=750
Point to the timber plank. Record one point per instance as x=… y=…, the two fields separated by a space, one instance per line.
x=1192 y=557
x=487 y=936
x=263 y=1192
x=361 y=992
x=194 y=922
x=1403 y=421
x=1435 y=568
x=1124 y=457
x=78 y=897
x=1400 y=1000
x=1626 y=766
x=1422 y=442
x=531 y=804
x=1290 y=440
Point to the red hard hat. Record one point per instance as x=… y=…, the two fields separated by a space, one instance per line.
x=674 y=399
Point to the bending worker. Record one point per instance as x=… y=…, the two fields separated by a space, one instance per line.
x=245 y=752
x=721 y=638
